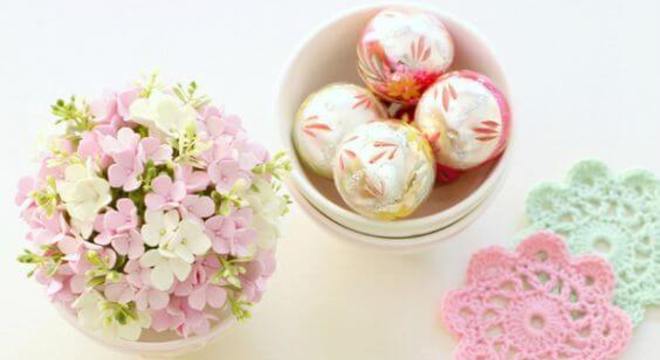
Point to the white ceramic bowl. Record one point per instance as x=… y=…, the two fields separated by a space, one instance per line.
x=329 y=55
x=155 y=345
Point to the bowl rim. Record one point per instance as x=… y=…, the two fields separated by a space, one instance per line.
x=411 y=244
x=148 y=347
x=358 y=222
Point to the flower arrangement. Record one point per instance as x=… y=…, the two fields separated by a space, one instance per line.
x=152 y=210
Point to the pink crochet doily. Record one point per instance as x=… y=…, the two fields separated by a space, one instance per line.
x=536 y=303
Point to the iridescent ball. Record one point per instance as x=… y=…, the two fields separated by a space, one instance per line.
x=326 y=116
x=384 y=170
x=465 y=118
x=402 y=52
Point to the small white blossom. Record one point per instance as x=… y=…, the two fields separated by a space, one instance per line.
x=84 y=194
x=268 y=206
x=164 y=113
x=159 y=226
x=113 y=320
x=164 y=269
x=178 y=242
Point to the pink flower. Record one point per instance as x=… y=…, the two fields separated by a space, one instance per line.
x=224 y=173
x=136 y=286
x=121 y=291
x=90 y=147
x=129 y=243
x=46 y=170
x=251 y=154
x=26 y=185
x=198 y=289
x=111 y=112
x=123 y=219
x=232 y=234
x=166 y=194
x=217 y=124
x=195 y=180
x=123 y=150
x=78 y=260
x=179 y=316
x=198 y=206
x=152 y=149
x=117 y=227
x=130 y=153
x=47 y=230
x=62 y=286
x=70 y=245
x=258 y=271
x=145 y=296
x=536 y=303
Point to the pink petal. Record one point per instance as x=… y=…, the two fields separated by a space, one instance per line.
x=161 y=321
x=216 y=296
x=54 y=286
x=197 y=299
x=103 y=238
x=214 y=223
x=112 y=220
x=158 y=299
x=25 y=186
x=120 y=243
x=126 y=206
x=154 y=201
x=162 y=185
x=117 y=175
x=135 y=249
x=125 y=158
x=141 y=301
x=202 y=206
x=150 y=145
x=198 y=181
x=214 y=126
x=89 y=147
x=178 y=191
x=68 y=245
x=78 y=283
x=124 y=101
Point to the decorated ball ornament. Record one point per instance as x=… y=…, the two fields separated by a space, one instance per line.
x=465 y=118
x=384 y=170
x=326 y=116
x=402 y=52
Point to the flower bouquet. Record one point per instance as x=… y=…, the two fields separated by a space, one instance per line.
x=152 y=212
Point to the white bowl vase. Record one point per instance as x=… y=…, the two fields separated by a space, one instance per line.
x=155 y=345
x=329 y=55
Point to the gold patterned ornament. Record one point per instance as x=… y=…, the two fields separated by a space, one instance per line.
x=326 y=116
x=384 y=170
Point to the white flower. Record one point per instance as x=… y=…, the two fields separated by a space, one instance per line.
x=164 y=113
x=268 y=207
x=178 y=242
x=164 y=269
x=113 y=320
x=159 y=226
x=190 y=240
x=83 y=192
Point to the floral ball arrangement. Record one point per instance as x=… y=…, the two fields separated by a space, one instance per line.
x=405 y=58
x=152 y=211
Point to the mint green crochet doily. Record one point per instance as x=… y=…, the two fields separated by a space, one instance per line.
x=614 y=216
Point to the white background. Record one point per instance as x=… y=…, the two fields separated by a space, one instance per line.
x=584 y=75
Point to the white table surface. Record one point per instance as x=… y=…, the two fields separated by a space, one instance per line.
x=584 y=76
